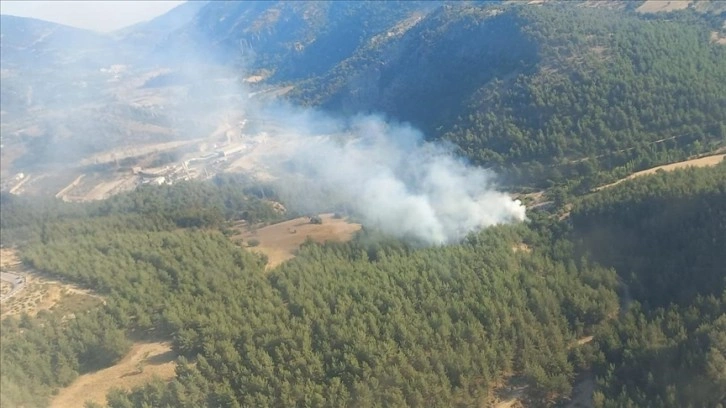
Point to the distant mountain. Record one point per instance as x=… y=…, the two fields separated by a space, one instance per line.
x=148 y=34
x=424 y=69
x=543 y=92
x=25 y=41
x=292 y=40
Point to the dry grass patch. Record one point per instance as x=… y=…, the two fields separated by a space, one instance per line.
x=144 y=362
x=509 y=393
x=279 y=242
x=5 y=288
x=718 y=38
x=656 y=6
x=41 y=292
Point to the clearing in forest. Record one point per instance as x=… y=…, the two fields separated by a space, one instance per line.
x=40 y=292
x=701 y=162
x=508 y=393
x=655 y=6
x=280 y=241
x=144 y=362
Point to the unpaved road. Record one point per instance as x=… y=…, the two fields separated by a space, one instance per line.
x=700 y=162
x=17 y=281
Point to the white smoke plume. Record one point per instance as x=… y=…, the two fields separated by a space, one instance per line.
x=381 y=172
x=387 y=175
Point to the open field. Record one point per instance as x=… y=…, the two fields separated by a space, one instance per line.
x=655 y=6
x=40 y=292
x=718 y=38
x=142 y=363
x=5 y=288
x=122 y=153
x=8 y=258
x=280 y=241
x=700 y=162
x=104 y=188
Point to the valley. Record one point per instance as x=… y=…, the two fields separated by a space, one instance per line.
x=337 y=204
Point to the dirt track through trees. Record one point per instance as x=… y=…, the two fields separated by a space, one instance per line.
x=700 y=162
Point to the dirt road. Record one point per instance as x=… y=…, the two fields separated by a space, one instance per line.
x=17 y=281
x=700 y=162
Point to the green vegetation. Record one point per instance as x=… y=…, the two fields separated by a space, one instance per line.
x=665 y=235
x=375 y=321
x=371 y=321
x=556 y=94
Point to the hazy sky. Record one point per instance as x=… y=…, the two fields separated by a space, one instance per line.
x=93 y=15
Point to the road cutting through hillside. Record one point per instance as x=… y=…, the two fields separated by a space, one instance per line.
x=699 y=162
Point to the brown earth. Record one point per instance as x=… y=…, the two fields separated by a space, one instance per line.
x=655 y=6
x=5 y=287
x=279 y=242
x=8 y=258
x=42 y=292
x=718 y=38
x=509 y=393
x=141 y=364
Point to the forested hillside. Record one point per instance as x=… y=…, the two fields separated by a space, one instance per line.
x=370 y=322
x=665 y=235
x=376 y=321
x=556 y=93
x=289 y=40
x=625 y=285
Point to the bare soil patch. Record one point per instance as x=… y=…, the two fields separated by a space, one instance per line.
x=5 y=288
x=8 y=258
x=279 y=242
x=656 y=6
x=41 y=292
x=584 y=340
x=510 y=393
x=105 y=189
x=144 y=362
x=700 y=162
x=718 y=38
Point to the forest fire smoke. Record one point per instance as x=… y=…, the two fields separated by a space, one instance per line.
x=386 y=174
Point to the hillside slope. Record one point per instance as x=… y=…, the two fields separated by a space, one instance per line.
x=294 y=40
x=26 y=41
x=537 y=90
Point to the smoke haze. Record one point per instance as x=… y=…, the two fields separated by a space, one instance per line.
x=386 y=174
x=379 y=171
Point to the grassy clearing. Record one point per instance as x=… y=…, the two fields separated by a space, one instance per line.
x=280 y=241
x=141 y=364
